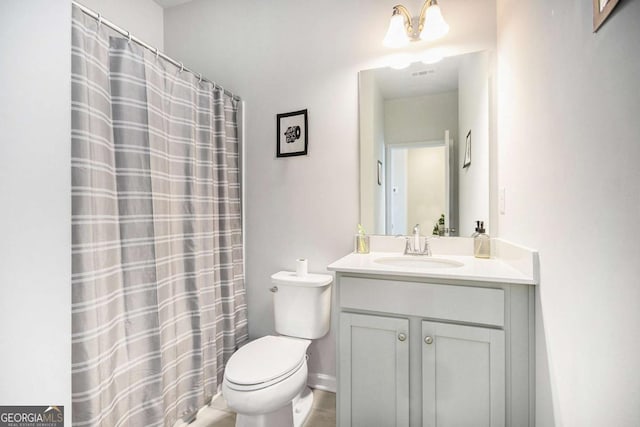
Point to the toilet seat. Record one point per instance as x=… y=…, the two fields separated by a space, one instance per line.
x=264 y=362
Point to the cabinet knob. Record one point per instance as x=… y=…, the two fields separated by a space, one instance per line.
x=402 y=336
x=428 y=339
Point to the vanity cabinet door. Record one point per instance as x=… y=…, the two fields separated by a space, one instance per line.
x=463 y=376
x=374 y=371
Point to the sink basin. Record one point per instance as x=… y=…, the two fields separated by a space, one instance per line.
x=418 y=262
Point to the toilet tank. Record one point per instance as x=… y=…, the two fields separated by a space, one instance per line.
x=302 y=304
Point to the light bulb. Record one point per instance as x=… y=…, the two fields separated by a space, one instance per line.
x=396 y=34
x=434 y=24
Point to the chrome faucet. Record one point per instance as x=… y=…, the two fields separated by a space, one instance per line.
x=416 y=249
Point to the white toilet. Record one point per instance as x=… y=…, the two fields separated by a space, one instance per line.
x=265 y=381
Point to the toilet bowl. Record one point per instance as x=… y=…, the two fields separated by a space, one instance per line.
x=264 y=378
x=265 y=381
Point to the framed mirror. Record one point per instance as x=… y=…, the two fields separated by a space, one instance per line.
x=415 y=133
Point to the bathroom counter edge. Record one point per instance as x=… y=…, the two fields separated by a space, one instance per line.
x=493 y=270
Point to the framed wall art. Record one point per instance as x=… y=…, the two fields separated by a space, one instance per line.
x=601 y=11
x=467 y=152
x=292 y=134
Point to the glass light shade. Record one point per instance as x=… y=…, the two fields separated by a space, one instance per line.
x=396 y=34
x=434 y=24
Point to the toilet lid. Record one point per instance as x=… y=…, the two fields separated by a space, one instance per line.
x=265 y=359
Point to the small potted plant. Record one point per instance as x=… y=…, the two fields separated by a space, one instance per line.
x=441 y=225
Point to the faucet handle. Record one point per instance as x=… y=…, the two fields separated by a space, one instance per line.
x=416 y=229
x=427 y=249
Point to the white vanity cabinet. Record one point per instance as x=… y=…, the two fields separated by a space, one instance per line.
x=435 y=353
x=374 y=358
x=463 y=371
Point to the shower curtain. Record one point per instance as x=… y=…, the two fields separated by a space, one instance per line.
x=158 y=282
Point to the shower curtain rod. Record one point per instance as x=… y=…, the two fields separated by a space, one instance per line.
x=98 y=17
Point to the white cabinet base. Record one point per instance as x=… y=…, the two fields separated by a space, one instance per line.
x=475 y=369
x=374 y=370
x=463 y=376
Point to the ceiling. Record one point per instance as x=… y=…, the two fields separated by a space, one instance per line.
x=170 y=3
x=418 y=79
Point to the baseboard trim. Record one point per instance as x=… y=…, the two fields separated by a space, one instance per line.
x=322 y=382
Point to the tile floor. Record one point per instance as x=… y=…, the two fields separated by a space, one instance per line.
x=323 y=412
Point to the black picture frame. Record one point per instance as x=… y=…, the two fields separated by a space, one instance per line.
x=467 y=152
x=292 y=137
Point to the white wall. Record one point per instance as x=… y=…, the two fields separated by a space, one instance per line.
x=372 y=150
x=473 y=181
x=380 y=155
x=569 y=146
x=425 y=188
x=398 y=213
x=35 y=196
x=421 y=118
x=283 y=56
x=144 y=18
x=426 y=118
x=35 y=193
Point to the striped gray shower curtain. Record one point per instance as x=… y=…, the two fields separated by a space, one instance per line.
x=158 y=282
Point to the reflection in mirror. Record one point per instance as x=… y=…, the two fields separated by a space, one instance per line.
x=415 y=122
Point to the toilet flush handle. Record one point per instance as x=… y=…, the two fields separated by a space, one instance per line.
x=274 y=289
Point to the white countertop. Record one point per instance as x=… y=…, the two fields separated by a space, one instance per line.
x=474 y=269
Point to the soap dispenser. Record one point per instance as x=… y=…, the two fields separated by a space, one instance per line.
x=481 y=242
x=475 y=232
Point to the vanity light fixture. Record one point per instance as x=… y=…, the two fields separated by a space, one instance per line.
x=431 y=25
